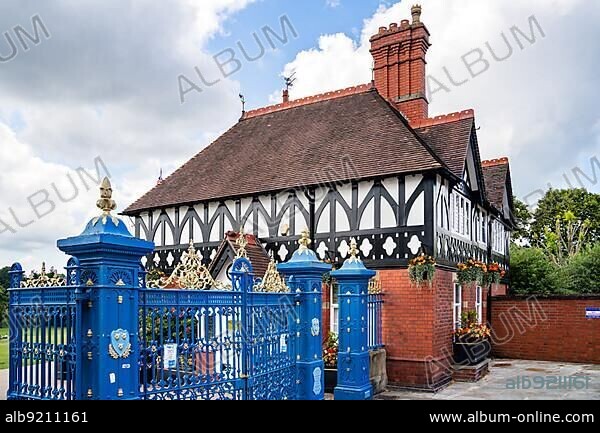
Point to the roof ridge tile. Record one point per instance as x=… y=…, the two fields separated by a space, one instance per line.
x=446 y=118
x=495 y=162
x=309 y=100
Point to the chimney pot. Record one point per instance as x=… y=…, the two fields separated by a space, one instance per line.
x=382 y=30
x=404 y=24
x=393 y=26
x=416 y=13
x=286 y=96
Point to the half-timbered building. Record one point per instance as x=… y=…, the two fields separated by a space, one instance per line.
x=365 y=162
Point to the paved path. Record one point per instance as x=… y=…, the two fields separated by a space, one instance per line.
x=494 y=386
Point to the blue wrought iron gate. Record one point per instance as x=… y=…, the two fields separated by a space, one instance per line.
x=219 y=344
x=106 y=331
x=225 y=343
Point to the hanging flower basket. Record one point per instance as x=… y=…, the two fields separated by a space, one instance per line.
x=472 y=272
x=421 y=269
x=495 y=273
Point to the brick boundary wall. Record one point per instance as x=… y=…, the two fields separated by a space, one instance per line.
x=546 y=329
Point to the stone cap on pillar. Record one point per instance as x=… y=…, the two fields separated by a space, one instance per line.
x=105 y=230
x=353 y=267
x=304 y=259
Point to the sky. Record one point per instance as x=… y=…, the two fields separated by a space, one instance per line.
x=99 y=90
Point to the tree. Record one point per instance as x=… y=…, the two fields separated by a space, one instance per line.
x=4 y=284
x=580 y=275
x=522 y=217
x=584 y=207
x=531 y=272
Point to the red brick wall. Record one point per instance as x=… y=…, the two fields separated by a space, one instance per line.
x=417 y=328
x=325 y=315
x=547 y=329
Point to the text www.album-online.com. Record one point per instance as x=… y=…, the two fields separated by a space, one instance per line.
x=535 y=417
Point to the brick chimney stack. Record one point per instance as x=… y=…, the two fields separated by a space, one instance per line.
x=399 y=53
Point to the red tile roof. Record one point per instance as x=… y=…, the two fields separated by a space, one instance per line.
x=257 y=255
x=449 y=136
x=351 y=134
x=496 y=173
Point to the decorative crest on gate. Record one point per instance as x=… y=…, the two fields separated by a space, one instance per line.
x=272 y=282
x=189 y=274
x=44 y=279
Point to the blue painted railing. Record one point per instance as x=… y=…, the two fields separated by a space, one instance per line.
x=374 y=321
x=43 y=324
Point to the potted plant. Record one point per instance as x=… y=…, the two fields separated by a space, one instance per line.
x=421 y=269
x=330 y=359
x=472 y=271
x=471 y=341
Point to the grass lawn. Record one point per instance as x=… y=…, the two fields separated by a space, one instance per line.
x=3 y=349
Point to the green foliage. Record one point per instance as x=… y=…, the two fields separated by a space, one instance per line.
x=5 y=277
x=582 y=273
x=534 y=272
x=523 y=218
x=4 y=284
x=330 y=350
x=584 y=206
x=3 y=349
x=531 y=272
x=567 y=239
x=468 y=318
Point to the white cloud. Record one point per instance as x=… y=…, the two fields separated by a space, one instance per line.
x=527 y=106
x=333 y=3
x=106 y=85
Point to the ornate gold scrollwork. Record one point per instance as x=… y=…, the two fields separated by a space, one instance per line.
x=189 y=274
x=44 y=280
x=272 y=282
x=375 y=286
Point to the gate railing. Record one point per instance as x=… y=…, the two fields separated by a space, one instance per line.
x=374 y=317
x=43 y=336
x=190 y=345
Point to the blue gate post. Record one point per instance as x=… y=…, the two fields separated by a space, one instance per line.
x=108 y=313
x=353 y=357
x=306 y=272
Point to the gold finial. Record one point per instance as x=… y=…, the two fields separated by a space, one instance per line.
x=191 y=248
x=416 y=13
x=43 y=268
x=304 y=239
x=353 y=249
x=106 y=203
x=242 y=242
